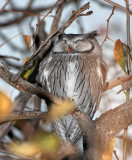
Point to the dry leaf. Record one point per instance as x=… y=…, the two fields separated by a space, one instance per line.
x=25 y=75
x=25 y=149
x=46 y=143
x=27 y=40
x=61 y=108
x=119 y=54
x=107 y=155
x=27 y=58
x=6 y=104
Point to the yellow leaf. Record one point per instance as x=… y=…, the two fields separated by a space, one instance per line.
x=119 y=54
x=6 y=104
x=46 y=143
x=25 y=75
x=27 y=40
x=25 y=149
x=107 y=155
x=61 y=108
x=49 y=142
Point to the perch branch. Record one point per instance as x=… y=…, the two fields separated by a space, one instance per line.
x=25 y=86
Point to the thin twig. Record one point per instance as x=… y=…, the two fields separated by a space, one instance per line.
x=23 y=16
x=25 y=12
x=11 y=57
x=2 y=9
x=10 y=39
x=43 y=19
x=106 y=36
x=125 y=143
x=115 y=155
x=118 y=6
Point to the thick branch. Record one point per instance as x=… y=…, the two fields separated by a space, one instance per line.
x=112 y=122
x=105 y=127
x=20 y=115
x=25 y=86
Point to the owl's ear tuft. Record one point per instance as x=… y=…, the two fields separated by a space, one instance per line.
x=92 y=34
x=60 y=36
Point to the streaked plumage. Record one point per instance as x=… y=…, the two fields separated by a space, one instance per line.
x=75 y=69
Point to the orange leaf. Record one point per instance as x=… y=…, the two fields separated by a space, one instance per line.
x=107 y=155
x=6 y=105
x=27 y=40
x=27 y=58
x=119 y=54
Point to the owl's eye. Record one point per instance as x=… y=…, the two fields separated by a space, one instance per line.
x=78 y=41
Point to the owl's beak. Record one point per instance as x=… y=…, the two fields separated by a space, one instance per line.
x=70 y=49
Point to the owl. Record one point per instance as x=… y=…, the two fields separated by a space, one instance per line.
x=75 y=69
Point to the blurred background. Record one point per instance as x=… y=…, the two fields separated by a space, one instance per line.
x=13 y=25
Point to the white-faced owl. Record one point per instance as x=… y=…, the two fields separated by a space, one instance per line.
x=75 y=69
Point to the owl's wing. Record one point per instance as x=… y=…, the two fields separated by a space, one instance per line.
x=101 y=71
x=104 y=69
x=95 y=72
x=42 y=76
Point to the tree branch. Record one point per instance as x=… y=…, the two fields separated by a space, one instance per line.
x=25 y=86
x=118 y=6
x=106 y=36
x=118 y=81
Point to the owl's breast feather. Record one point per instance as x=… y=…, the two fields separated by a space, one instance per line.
x=71 y=77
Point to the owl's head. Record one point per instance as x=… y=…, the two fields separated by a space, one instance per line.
x=77 y=43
